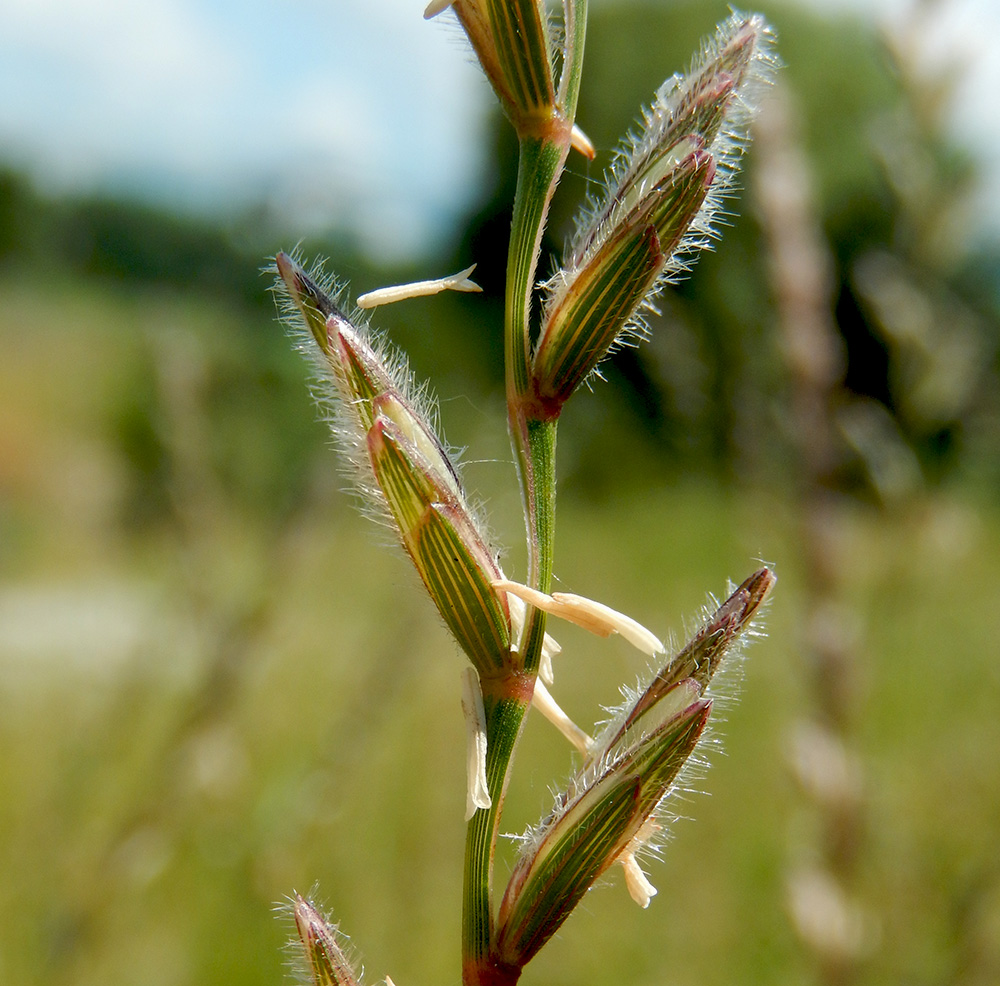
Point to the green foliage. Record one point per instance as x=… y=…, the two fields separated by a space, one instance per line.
x=152 y=812
x=179 y=585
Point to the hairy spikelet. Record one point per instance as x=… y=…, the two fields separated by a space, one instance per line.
x=326 y=383
x=386 y=428
x=738 y=62
x=689 y=677
x=707 y=111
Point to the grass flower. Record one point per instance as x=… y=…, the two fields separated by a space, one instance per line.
x=694 y=666
x=662 y=195
x=588 y=832
x=608 y=813
x=327 y=961
x=512 y=42
x=386 y=427
x=663 y=191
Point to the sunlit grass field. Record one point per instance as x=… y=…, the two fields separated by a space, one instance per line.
x=218 y=685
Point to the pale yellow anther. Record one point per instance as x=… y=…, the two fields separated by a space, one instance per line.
x=639 y=887
x=419 y=289
x=636 y=882
x=550 y=646
x=587 y=613
x=436 y=7
x=543 y=701
x=581 y=143
x=478 y=793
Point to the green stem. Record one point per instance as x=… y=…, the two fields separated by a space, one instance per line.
x=540 y=162
x=576 y=34
x=504 y=719
x=540 y=516
x=541 y=157
x=508 y=697
x=533 y=442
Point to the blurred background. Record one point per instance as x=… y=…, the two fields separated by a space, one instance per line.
x=217 y=686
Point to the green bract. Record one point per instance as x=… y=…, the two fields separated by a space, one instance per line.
x=587 y=834
x=586 y=316
x=662 y=195
x=328 y=965
x=511 y=40
x=662 y=192
x=448 y=553
x=700 y=658
x=389 y=435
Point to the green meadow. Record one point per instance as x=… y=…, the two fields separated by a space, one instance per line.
x=219 y=685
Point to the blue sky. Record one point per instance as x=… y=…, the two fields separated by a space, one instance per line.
x=347 y=110
x=354 y=111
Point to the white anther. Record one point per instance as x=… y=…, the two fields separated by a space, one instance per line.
x=639 y=887
x=587 y=613
x=419 y=289
x=436 y=7
x=542 y=700
x=550 y=646
x=637 y=883
x=478 y=793
x=580 y=142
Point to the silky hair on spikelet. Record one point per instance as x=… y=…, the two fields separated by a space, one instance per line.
x=662 y=123
x=296 y=951
x=663 y=126
x=325 y=385
x=610 y=751
x=329 y=392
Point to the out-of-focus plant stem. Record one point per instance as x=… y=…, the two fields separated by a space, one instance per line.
x=822 y=900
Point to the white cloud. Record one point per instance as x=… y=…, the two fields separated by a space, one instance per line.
x=347 y=107
x=107 y=84
x=149 y=44
x=345 y=111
